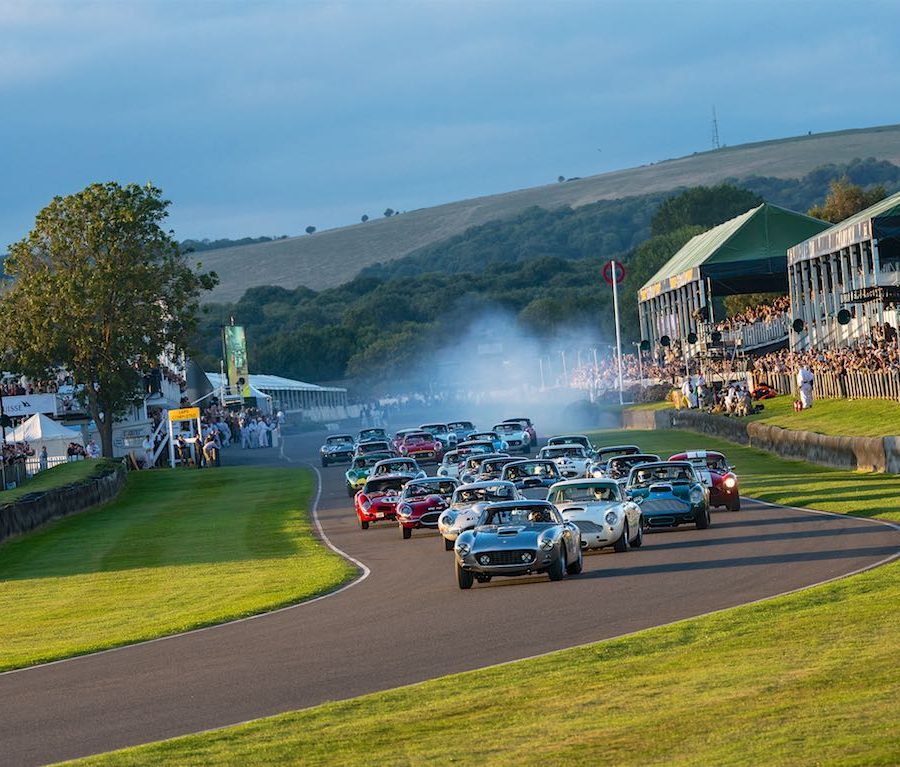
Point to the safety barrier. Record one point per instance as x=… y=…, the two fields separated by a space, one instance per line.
x=34 y=509
x=851 y=384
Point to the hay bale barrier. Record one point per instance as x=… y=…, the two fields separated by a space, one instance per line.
x=35 y=509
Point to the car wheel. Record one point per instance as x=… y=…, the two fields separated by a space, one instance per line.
x=448 y=544
x=577 y=566
x=622 y=543
x=363 y=525
x=324 y=462
x=350 y=491
x=704 y=520
x=407 y=532
x=557 y=570
x=735 y=505
x=639 y=538
x=464 y=578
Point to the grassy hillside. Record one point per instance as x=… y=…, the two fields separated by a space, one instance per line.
x=331 y=258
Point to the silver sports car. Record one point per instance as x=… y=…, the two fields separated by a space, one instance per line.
x=466 y=506
x=518 y=538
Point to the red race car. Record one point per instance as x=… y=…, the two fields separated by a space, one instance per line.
x=422 y=446
x=717 y=475
x=422 y=502
x=377 y=501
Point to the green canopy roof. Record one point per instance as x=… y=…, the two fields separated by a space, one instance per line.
x=743 y=255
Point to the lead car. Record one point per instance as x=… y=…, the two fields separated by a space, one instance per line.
x=518 y=538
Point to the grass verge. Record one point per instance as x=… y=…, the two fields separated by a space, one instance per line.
x=856 y=418
x=805 y=679
x=176 y=550
x=59 y=476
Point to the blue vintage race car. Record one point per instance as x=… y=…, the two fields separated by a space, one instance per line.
x=669 y=493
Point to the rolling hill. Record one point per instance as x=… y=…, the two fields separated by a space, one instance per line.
x=333 y=257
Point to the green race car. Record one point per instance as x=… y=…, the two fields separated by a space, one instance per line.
x=359 y=470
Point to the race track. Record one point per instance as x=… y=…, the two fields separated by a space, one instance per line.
x=407 y=621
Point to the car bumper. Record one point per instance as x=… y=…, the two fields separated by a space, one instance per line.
x=540 y=561
x=594 y=536
x=376 y=516
x=721 y=496
x=673 y=517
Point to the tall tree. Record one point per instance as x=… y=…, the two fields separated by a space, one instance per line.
x=702 y=206
x=103 y=290
x=844 y=199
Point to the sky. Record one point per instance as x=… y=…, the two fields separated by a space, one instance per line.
x=263 y=118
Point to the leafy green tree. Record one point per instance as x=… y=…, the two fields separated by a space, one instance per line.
x=102 y=289
x=702 y=206
x=364 y=218
x=310 y=230
x=845 y=199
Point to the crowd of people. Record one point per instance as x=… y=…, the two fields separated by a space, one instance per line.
x=773 y=311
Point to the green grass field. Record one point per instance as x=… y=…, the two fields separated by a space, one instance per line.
x=58 y=476
x=856 y=418
x=806 y=679
x=176 y=550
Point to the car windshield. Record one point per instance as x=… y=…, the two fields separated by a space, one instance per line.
x=435 y=428
x=473 y=462
x=599 y=491
x=451 y=457
x=479 y=494
x=367 y=434
x=507 y=428
x=495 y=466
x=543 y=469
x=624 y=463
x=394 y=467
x=674 y=473
x=387 y=486
x=374 y=447
x=605 y=453
x=563 y=452
x=367 y=461
x=339 y=441
x=521 y=516
x=422 y=488
x=416 y=439
x=461 y=425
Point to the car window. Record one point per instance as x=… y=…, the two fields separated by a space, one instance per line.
x=586 y=494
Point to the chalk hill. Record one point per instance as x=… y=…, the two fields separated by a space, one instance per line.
x=333 y=257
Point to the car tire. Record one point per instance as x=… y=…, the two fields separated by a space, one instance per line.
x=324 y=462
x=363 y=525
x=407 y=532
x=639 y=539
x=622 y=544
x=735 y=505
x=464 y=578
x=448 y=544
x=557 y=571
x=704 y=520
x=350 y=491
x=577 y=566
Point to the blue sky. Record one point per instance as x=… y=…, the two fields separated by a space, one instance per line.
x=260 y=118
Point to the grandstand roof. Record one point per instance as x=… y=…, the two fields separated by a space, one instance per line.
x=881 y=221
x=275 y=383
x=745 y=254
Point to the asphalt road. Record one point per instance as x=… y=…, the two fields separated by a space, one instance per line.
x=407 y=621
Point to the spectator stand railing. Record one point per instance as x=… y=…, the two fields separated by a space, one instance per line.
x=757 y=334
x=851 y=384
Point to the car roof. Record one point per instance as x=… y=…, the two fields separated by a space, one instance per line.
x=567 y=436
x=510 y=420
x=487 y=483
x=396 y=475
x=530 y=460
x=691 y=454
x=435 y=423
x=434 y=480
x=417 y=433
x=654 y=464
x=584 y=482
x=339 y=436
x=520 y=504
x=560 y=445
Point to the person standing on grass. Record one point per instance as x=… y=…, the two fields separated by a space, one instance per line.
x=148 y=447
x=805 y=380
x=44 y=459
x=252 y=439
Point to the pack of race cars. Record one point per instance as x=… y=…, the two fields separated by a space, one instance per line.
x=508 y=515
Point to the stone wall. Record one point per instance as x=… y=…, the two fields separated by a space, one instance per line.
x=881 y=454
x=35 y=509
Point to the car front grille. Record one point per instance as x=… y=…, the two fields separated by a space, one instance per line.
x=662 y=505
x=500 y=558
x=430 y=518
x=423 y=454
x=586 y=526
x=514 y=442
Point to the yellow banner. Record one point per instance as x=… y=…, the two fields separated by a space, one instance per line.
x=185 y=414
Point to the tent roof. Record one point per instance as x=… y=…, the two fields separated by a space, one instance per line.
x=272 y=383
x=749 y=248
x=40 y=428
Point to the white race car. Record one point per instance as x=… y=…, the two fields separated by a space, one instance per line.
x=466 y=506
x=572 y=459
x=450 y=464
x=516 y=438
x=600 y=510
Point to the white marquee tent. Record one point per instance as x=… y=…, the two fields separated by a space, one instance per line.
x=39 y=430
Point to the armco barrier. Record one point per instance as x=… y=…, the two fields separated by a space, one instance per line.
x=881 y=454
x=35 y=509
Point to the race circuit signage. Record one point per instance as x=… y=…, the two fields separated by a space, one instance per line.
x=19 y=405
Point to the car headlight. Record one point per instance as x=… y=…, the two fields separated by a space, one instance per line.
x=597 y=474
x=611 y=517
x=365 y=504
x=546 y=544
x=404 y=511
x=730 y=482
x=696 y=495
x=462 y=549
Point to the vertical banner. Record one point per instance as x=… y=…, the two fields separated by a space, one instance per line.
x=237 y=371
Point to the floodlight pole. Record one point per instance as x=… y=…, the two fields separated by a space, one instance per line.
x=615 y=290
